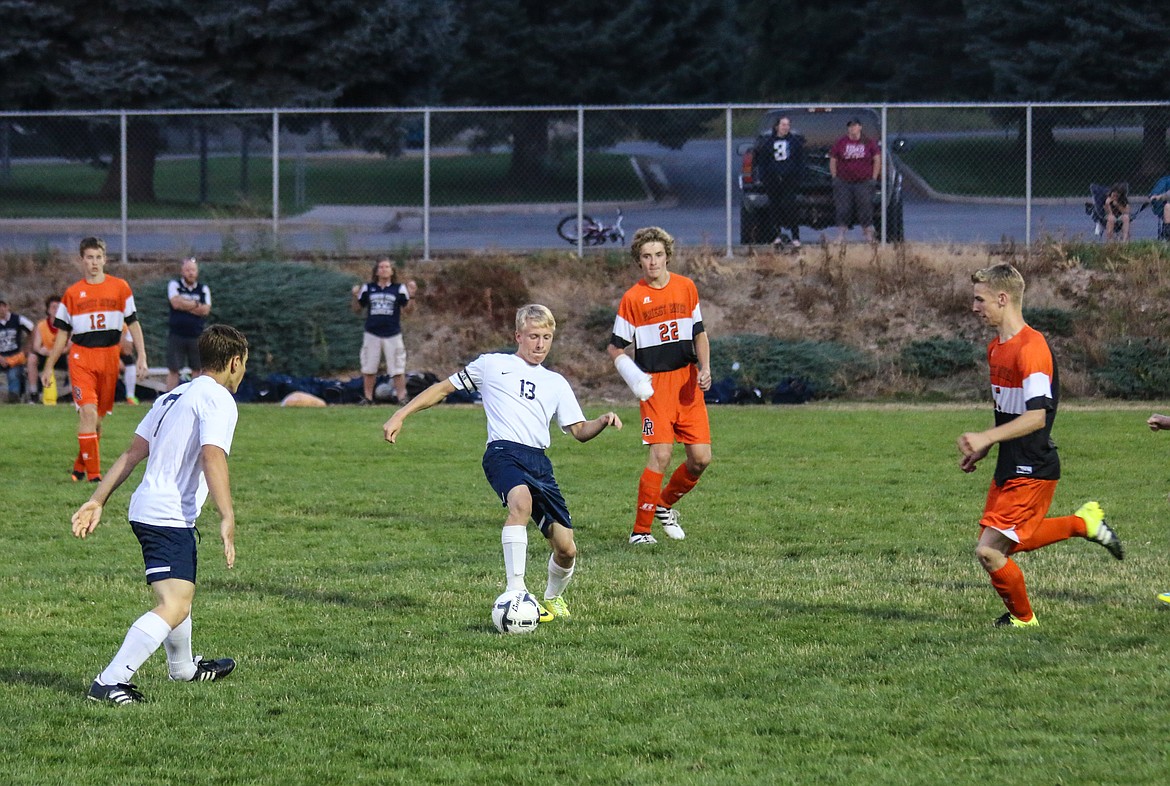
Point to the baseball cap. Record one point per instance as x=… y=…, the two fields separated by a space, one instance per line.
x=3 y=299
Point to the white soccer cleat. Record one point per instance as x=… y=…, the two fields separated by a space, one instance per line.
x=668 y=518
x=642 y=539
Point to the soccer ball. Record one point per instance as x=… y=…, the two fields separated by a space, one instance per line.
x=515 y=612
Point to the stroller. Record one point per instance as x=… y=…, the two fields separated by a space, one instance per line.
x=1095 y=209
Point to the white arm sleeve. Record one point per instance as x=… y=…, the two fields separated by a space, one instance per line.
x=636 y=378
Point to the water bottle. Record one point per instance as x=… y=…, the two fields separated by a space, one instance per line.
x=49 y=394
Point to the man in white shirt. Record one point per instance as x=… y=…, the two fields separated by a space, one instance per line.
x=520 y=399
x=185 y=439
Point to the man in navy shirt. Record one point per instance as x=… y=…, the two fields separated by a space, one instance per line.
x=384 y=300
x=190 y=304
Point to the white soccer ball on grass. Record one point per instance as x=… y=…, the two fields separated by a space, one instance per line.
x=515 y=612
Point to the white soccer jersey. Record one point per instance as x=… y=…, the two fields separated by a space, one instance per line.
x=519 y=399
x=173 y=488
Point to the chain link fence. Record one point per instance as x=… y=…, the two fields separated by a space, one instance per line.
x=421 y=182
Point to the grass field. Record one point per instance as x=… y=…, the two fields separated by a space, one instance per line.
x=996 y=166
x=824 y=621
x=53 y=190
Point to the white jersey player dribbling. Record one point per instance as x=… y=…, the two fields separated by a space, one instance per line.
x=520 y=399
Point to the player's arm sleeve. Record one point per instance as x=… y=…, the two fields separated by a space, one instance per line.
x=129 y=312
x=623 y=328
x=1037 y=375
x=207 y=296
x=62 y=320
x=568 y=408
x=470 y=377
x=217 y=421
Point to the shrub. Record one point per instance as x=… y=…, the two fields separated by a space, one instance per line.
x=938 y=357
x=763 y=362
x=1051 y=321
x=289 y=312
x=1135 y=369
x=483 y=288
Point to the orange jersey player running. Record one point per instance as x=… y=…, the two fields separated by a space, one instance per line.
x=92 y=314
x=1026 y=388
x=660 y=318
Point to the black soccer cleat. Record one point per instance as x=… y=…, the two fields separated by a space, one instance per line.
x=209 y=670
x=122 y=693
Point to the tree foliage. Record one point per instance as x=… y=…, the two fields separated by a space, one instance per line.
x=168 y=54
x=593 y=52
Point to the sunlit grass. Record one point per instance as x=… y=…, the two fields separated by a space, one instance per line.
x=823 y=622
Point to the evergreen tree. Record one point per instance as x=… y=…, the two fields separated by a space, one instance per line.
x=1075 y=50
x=527 y=52
x=167 y=54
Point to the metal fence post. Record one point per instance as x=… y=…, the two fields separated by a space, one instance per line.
x=427 y=184
x=275 y=177
x=580 y=181
x=729 y=155
x=123 y=146
x=885 y=152
x=1028 y=177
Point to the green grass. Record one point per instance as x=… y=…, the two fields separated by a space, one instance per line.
x=995 y=166
x=824 y=622
x=69 y=189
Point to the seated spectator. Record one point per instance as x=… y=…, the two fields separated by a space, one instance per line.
x=1117 y=211
x=44 y=334
x=14 y=342
x=1161 y=207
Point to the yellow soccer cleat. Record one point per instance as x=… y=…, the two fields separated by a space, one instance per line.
x=1098 y=531
x=1164 y=597
x=1008 y=620
x=545 y=614
x=558 y=607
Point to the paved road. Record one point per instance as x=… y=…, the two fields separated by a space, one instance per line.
x=695 y=213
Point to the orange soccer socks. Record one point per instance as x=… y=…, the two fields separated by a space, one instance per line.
x=1009 y=583
x=89 y=455
x=679 y=484
x=649 y=491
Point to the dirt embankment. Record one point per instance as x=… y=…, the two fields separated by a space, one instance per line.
x=874 y=299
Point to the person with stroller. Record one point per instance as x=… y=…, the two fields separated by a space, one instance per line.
x=1117 y=212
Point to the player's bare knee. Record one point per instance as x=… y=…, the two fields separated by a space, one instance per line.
x=989 y=559
x=696 y=465
x=565 y=554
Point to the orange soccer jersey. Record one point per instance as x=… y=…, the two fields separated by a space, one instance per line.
x=94 y=314
x=662 y=325
x=1023 y=377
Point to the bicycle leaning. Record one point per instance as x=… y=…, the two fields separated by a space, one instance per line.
x=593 y=233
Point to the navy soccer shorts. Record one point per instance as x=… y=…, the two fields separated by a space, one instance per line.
x=167 y=552
x=510 y=464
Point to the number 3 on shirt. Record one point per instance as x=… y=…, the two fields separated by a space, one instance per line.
x=668 y=331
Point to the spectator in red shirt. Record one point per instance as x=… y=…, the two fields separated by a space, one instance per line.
x=855 y=162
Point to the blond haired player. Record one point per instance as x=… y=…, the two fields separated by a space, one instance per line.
x=659 y=318
x=91 y=314
x=1026 y=389
x=520 y=398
